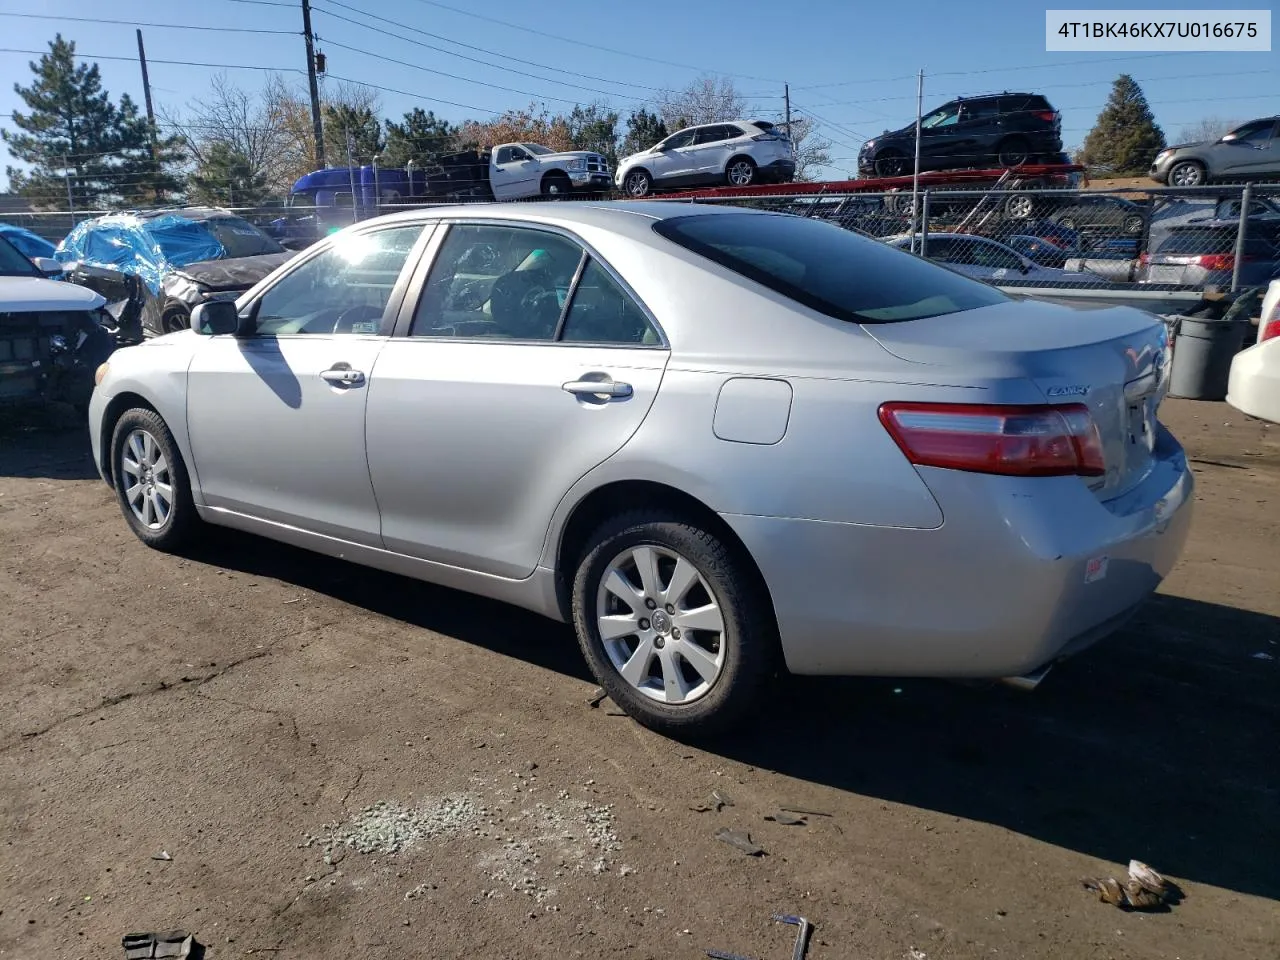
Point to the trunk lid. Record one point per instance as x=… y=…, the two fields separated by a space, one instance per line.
x=1115 y=361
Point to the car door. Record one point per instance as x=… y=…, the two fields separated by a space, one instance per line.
x=710 y=152
x=938 y=136
x=1260 y=151
x=971 y=141
x=501 y=390
x=276 y=419
x=673 y=163
x=513 y=173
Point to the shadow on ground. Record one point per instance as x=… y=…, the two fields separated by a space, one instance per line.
x=45 y=442
x=1158 y=744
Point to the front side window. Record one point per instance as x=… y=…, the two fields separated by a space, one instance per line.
x=343 y=290
x=828 y=269
x=942 y=117
x=1257 y=132
x=981 y=254
x=676 y=140
x=497 y=281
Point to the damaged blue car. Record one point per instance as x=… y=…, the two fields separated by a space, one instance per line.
x=165 y=263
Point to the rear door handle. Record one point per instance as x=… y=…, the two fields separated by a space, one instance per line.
x=344 y=376
x=598 y=388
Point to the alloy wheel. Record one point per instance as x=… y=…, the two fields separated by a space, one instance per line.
x=741 y=173
x=147 y=480
x=661 y=626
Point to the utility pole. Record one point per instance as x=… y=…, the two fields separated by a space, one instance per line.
x=146 y=93
x=317 y=129
x=786 y=96
x=915 y=179
x=71 y=201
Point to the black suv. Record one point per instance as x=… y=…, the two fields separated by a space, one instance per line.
x=1001 y=129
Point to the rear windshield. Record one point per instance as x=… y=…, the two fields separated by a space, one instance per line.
x=13 y=263
x=828 y=269
x=1214 y=240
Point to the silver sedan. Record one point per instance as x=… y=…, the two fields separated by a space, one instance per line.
x=718 y=442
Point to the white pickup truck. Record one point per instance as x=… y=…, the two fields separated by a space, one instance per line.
x=516 y=171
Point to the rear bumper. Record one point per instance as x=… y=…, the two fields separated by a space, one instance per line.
x=1000 y=589
x=1252 y=387
x=779 y=171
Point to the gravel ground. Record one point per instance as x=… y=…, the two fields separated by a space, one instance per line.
x=342 y=763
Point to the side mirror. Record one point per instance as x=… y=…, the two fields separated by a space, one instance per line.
x=215 y=318
x=48 y=266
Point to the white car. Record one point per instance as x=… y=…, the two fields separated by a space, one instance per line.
x=1254 y=384
x=737 y=153
x=989 y=260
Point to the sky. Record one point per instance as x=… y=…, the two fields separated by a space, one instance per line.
x=851 y=67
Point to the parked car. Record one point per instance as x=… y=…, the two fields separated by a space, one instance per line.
x=989 y=261
x=1253 y=386
x=1041 y=251
x=1098 y=213
x=52 y=334
x=1249 y=152
x=166 y=262
x=595 y=411
x=1005 y=129
x=1203 y=253
x=30 y=245
x=737 y=153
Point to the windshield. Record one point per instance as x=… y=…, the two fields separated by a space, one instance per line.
x=828 y=269
x=537 y=149
x=241 y=238
x=13 y=263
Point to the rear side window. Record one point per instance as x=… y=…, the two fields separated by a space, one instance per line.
x=833 y=271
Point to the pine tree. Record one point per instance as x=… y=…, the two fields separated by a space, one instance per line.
x=78 y=142
x=226 y=176
x=358 y=123
x=69 y=135
x=421 y=136
x=644 y=129
x=1126 y=137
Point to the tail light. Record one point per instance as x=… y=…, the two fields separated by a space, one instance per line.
x=770 y=136
x=1015 y=441
x=1270 y=327
x=1048 y=116
x=1144 y=259
x=1217 y=261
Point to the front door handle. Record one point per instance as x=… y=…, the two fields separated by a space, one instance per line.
x=598 y=388
x=344 y=376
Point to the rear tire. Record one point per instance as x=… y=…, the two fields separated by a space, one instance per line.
x=1133 y=224
x=151 y=481
x=175 y=318
x=647 y=575
x=740 y=172
x=1014 y=152
x=1020 y=207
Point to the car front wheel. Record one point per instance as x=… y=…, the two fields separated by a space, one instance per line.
x=673 y=623
x=1189 y=173
x=151 y=480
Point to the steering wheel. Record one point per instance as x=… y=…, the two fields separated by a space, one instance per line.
x=524 y=304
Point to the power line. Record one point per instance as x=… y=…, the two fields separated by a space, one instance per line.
x=143 y=23
x=468 y=46
x=177 y=63
x=591 y=46
x=417 y=96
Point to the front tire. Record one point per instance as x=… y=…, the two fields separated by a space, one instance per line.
x=151 y=481
x=1020 y=207
x=175 y=318
x=673 y=623
x=1188 y=173
x=892 y=163
x=556 y=186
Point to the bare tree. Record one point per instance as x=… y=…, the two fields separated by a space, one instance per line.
x=813 y=151
x=1208 y=130
x=705 y=100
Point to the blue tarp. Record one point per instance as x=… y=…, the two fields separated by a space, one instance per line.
x=29 y=244
x=148 y=248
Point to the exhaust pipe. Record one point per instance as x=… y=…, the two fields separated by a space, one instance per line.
x=1028 y=681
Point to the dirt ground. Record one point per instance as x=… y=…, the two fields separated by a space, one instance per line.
x=340 y=763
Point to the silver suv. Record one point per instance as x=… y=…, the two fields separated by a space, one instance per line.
x=736 y=152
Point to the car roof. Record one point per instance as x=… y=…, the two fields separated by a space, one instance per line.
x=622 y=215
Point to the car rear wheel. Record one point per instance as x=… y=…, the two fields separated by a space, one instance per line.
x=638 y=183
x=1133 y=224
x=1068 y=223
x=1014 y=152
x=740 y=172
x=891 y=163
x=1188 y=173
x=672 y=623
x=151 y=480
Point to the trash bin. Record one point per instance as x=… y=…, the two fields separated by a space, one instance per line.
x=1202 y=355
